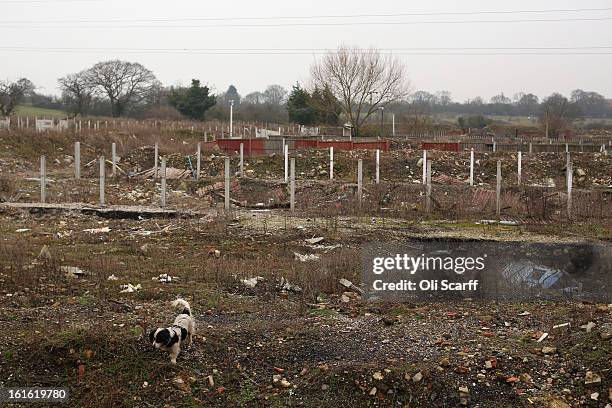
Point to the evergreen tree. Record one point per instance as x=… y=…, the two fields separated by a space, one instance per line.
x=194 y=101
x=300 y=108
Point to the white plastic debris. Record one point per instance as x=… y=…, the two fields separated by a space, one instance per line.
x=112 y=278
x=97 y=230
x=285 y=285
x=306 y=257
x=252 y=282
x=164 y=278
x=129 y=288
x=72 y=271
x=314 y=241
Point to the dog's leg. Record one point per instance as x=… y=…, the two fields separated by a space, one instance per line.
x=174 y=352
x=192 y=330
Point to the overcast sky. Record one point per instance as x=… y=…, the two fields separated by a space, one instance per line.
x=39 y=24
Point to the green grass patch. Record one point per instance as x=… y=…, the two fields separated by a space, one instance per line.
x=41 y=113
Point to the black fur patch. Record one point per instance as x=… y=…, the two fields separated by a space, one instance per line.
x=186 y=311
x=152 y=336
x=183 y=333
x=173 y=339
x=165 y=337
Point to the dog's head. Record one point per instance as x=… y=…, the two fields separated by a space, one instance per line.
x=163 y=337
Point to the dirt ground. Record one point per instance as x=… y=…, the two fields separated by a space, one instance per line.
x=272 y=345
x=79 y=293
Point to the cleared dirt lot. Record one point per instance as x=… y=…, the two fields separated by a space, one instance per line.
x=295 y=337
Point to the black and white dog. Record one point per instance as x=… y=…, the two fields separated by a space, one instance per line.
x=171 y=338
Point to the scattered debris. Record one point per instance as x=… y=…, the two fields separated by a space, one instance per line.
x=591 y=378
x=285 y=285
x=314 y=241
x=44 y=254
x=348 y=284
x=306 y=257
x=129 y=288
x=251 y=282
x=113 y=278
x=97 y=230
x=549 y=350
x=164 y=278
x=588 y=327
x=542 y=337
x=72 y=271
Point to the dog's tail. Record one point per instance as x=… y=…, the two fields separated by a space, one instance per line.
x=186 y=307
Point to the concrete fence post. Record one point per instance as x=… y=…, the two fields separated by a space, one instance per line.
x=498 y=189
x=77 y=160
x=163 y=183
x=114 y=158
x=102 y=177
x=520 y=167
x=198 y=161
x=530 y=148
x=472 y=167
x=331 y=163
x=570 y=177
x=286 y=153
x=568 y=163
x=43 y=179
x=156 y=164
x=428 y=187
x=377 y=166
x=292 y=191
x=227 y=183
x=241 y=159
x=424 y=167
x=359 y=180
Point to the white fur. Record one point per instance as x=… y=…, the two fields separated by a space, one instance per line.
x=182 y=320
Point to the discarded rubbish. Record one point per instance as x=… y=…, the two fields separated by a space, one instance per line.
x=112 y=278
x=285 y=285
x=72 y=271
x=348 y=284
x=252 y=282
x=164 y=278
x=542 y=337
x=314 y=241
x=44 y=253
x=97 y=230
x=306 y=257
x=558 y=326
x=129 y=288
x=20 y=230
x=530 y=275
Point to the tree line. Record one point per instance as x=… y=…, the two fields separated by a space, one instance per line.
x=349 y=86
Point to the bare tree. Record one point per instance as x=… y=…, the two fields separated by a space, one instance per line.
x=12 y=93
x=121 y=82
x=362 y=80
x=556 y=114
x=275 y=94
x=76 y=93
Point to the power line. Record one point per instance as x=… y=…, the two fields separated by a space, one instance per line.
x=307 y=17
x=364 y=23
x=361 y=50
x=279 y=52
x=47 y=1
